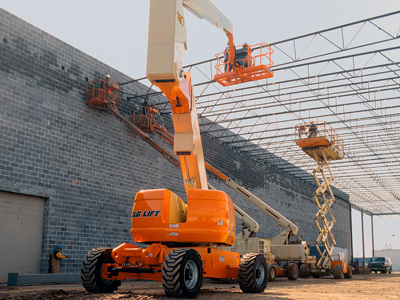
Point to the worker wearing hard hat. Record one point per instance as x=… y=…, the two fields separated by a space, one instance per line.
x=108 y=81
x=312 y=131
x=55 y=259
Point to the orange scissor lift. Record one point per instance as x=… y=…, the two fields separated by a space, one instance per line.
x=324 y=145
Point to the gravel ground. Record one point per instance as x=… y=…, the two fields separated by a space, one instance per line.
x=370 y=286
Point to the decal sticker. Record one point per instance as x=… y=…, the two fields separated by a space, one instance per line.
x=146 y=213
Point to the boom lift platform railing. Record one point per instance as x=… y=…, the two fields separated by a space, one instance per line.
x=146 y=120
x=250 y=63
x=101 y=94
x=323 y=145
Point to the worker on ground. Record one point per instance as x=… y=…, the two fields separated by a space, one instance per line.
x=55 y=259
x=312 y=131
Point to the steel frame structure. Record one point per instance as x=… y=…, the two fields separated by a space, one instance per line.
x=348 y=76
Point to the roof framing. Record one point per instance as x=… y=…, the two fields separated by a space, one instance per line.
x=348 y=76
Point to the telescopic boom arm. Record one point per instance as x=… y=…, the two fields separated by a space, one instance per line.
x=167 y=46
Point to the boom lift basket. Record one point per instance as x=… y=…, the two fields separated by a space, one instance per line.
x=146 y=119
x=251 y=63
x=100 y=94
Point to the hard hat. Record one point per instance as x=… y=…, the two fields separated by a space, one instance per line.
x=108 y=76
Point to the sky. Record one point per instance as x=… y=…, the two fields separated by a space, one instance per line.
x=115 y=32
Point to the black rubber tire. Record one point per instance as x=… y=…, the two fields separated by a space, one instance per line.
x=253 y=273
x=349 y=273
x=337 y=272
x=271 y=273
x=292 y=271
x=91 y=272
x=376 y=272
x=304 y=271
x=182 y=273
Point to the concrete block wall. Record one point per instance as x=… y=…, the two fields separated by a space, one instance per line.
x=88 y=166
x=86 y=163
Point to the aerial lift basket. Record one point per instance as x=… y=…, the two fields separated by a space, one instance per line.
x=251 y=63
x=101 y=95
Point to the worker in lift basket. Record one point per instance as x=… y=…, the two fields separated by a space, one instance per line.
x=228 y=66
x=104 y=85
x=144 y=109
x=108 y=81
x=55 y=259
x=312 y=131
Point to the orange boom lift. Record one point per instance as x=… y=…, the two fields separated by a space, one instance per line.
x=184 y=237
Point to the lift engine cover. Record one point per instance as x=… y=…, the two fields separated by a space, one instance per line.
x=161 y=216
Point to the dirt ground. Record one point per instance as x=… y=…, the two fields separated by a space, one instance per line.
x=370 y=286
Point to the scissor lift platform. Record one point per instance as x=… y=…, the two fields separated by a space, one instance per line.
x=326 y=142
x=318 y=147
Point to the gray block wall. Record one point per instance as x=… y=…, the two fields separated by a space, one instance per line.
x=89 y=166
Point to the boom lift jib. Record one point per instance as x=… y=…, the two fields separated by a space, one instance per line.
x=184 y=238
x=323 y=145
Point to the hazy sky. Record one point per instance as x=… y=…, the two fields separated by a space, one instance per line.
x=115 y=32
